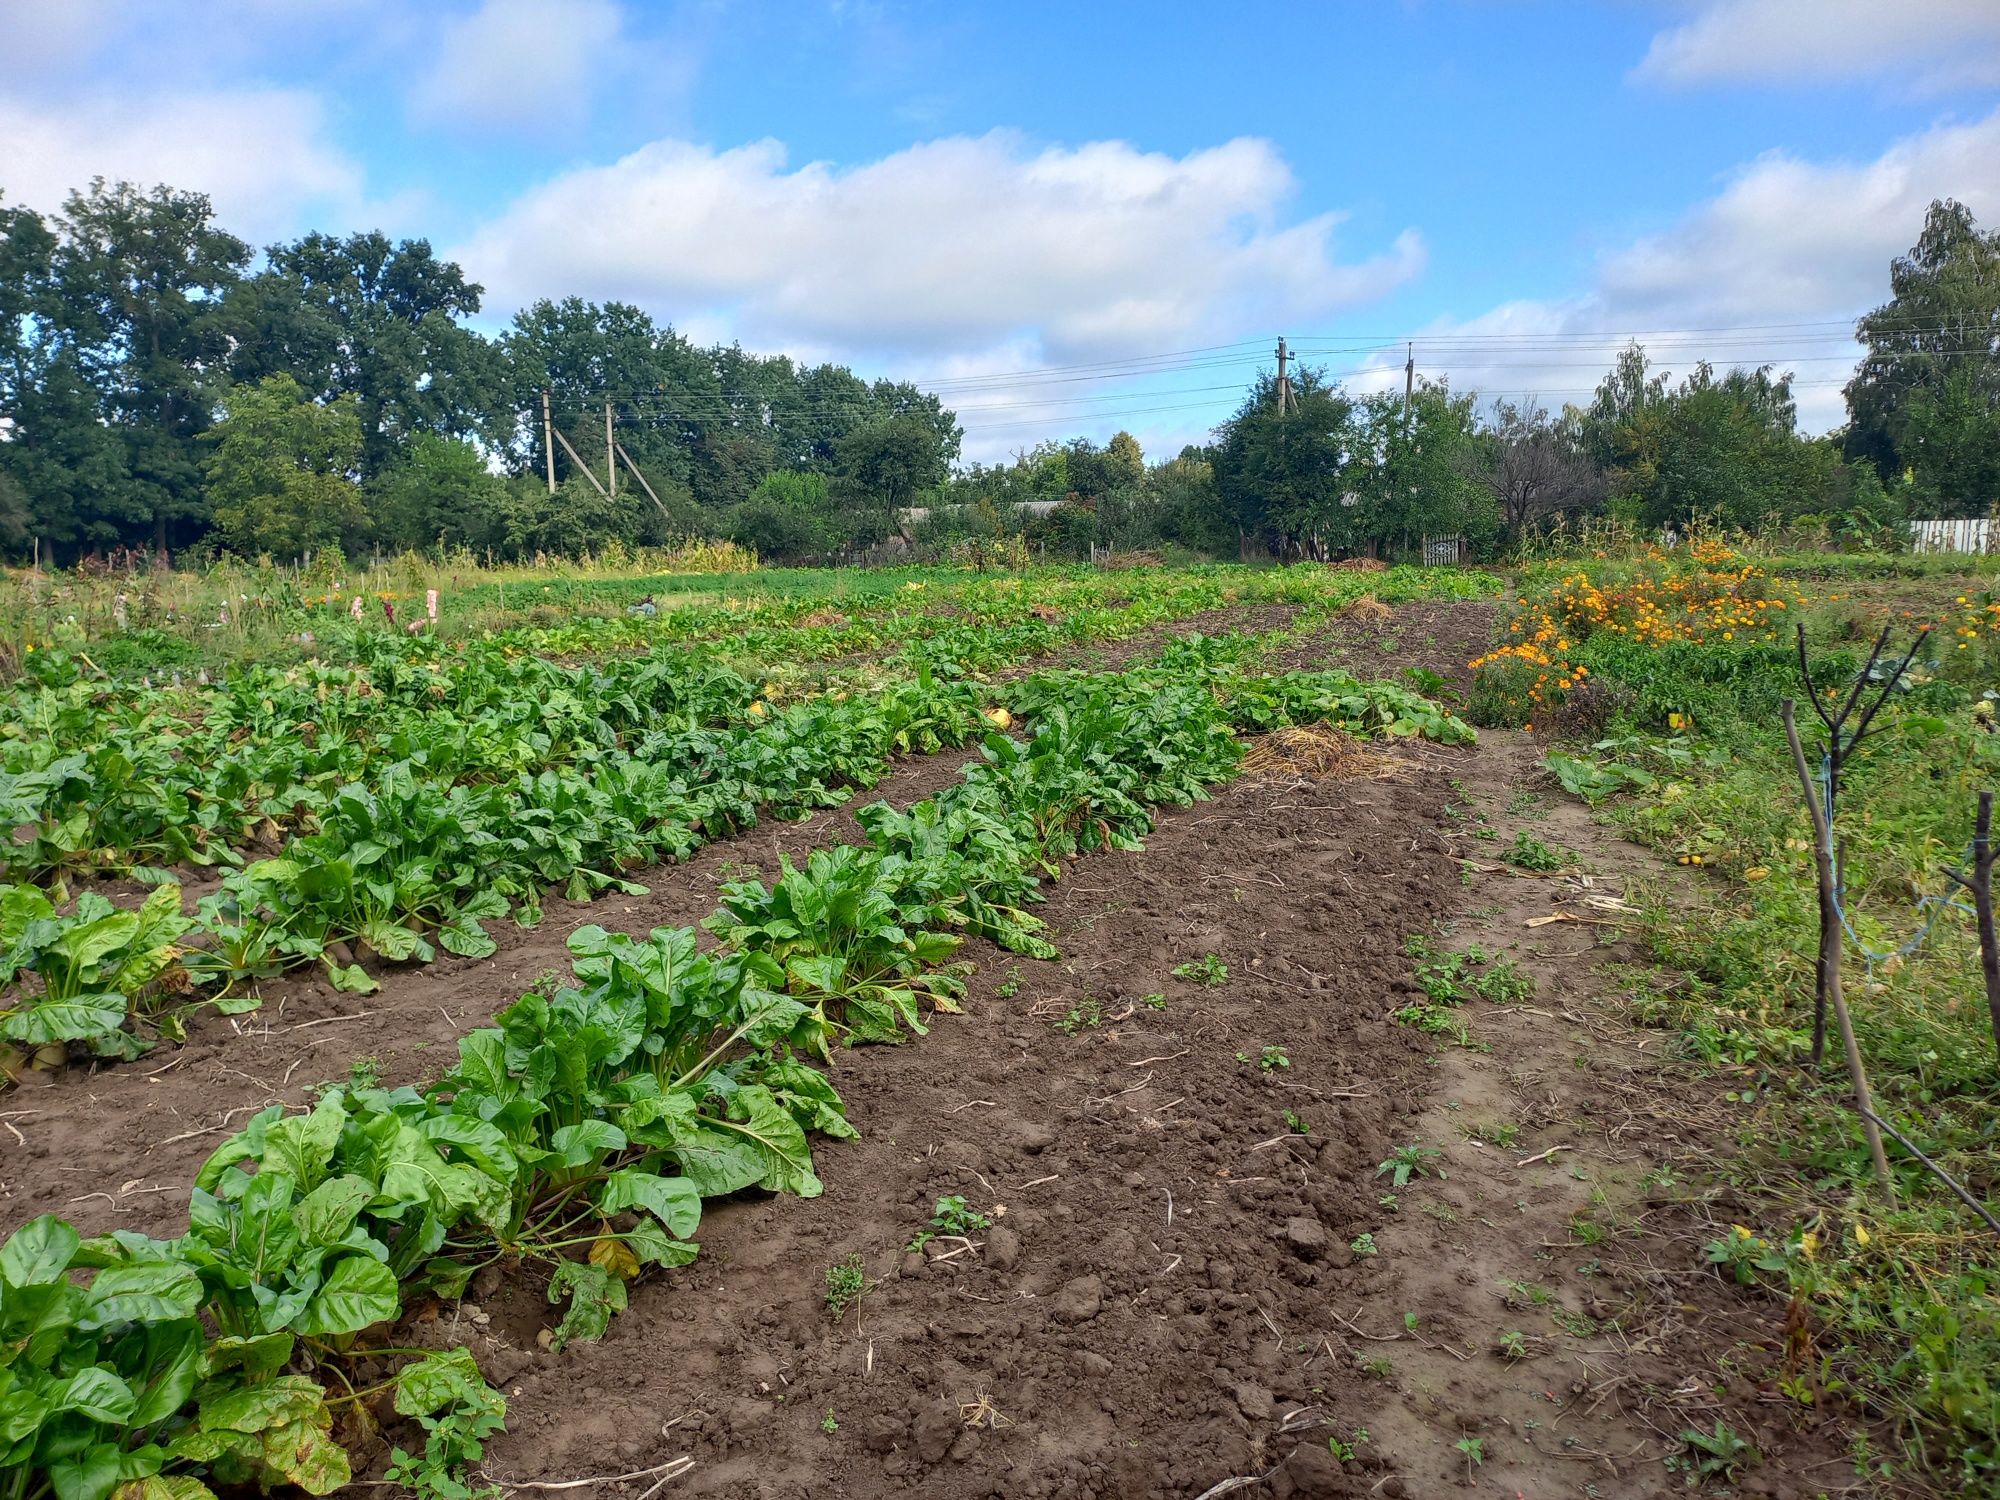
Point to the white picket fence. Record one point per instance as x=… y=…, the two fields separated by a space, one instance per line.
x=1443 y=551
x=1967 y=534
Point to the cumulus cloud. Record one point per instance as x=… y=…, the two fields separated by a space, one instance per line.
x=1936 y=44
x=262 y=155
x=966 y=243
x=1784 y=255
x=520 y=63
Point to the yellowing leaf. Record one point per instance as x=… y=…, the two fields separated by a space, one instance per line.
x=1000 y=717
x=615 y=1256
x=1756 y=872
x=1861 y=1234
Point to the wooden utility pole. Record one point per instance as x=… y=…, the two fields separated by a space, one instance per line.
x=1409 y=379
x=1285 y=401
x=588 y=472
x=640 y=476
x=548 y=440
x=610 y=453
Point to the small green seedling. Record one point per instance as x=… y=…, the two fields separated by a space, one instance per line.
x=1711 y=1455
x=1410 y=1161
x=828 y=1423
x=1009 y=987
x=1295 y=1124
x=1363 y=1245
x=1344 y=1449
x=1154 y=1001
x=1208 y=969
x=953 y=1216
x=1474 y=1450
x=1530 y=853
x=1086 y=1015
x=1513 y=1344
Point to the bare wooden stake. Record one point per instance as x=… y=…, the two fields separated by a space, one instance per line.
x=1823 y=865
x=1980 y=883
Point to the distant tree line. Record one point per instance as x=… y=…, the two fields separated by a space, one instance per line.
x=159 y=391
x=1338 y=474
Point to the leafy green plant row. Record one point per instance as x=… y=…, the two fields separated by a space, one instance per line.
x=104 y=776
x=581 y=1132
x=420 y=859
x=413 y=862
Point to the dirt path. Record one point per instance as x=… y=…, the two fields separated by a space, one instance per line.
x=1193 y=1273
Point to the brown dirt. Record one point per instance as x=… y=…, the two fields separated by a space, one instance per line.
x=1438 y=635
x=1251 y=619
x=1176 y=1290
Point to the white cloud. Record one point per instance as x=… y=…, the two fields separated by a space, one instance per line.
x=1786 y=242
x=1936 y=44
x=262 y=155
x=957 y=258
x=521 y=63
x=959 y=244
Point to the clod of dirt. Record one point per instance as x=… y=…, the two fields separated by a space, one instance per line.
x=1306 y=1237
x=935 y=1431
x=884 y=1434
x=1254 y=1402
x=1311 y=1473
x=1034 y=1138
x=1079 y=1300
x=1003 y=1248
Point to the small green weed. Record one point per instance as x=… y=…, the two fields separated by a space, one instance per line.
x=1531 y=853
x=1086 y=1015
x=953 y=1216
x=1209 y=970
x=1410 y=1161
x=1712 y=1455
x=1295 y=1124
x=845 y=1282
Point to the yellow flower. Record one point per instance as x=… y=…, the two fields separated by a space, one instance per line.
x=1809 y=1242
x=1861 y=1234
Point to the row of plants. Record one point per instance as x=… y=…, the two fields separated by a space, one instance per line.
x=512 y=776
x=98 y=775
x=1679 y=738
x=582 y=1132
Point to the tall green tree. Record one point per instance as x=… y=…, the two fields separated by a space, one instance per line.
x=438 y=493
x=1421 y=472
x=281 y=471
x=379 y=321
x=1924 y=406
x=1283 y=476
x=893 y=460
x=138 y=284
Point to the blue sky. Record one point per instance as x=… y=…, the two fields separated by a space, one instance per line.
x=963 y=192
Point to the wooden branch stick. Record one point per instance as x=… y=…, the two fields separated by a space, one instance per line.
x=1857 y=1073
x=1980 y=884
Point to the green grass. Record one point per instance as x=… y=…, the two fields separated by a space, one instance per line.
x=1899 y=1298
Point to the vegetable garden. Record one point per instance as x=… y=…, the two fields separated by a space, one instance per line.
x=1070 y=1062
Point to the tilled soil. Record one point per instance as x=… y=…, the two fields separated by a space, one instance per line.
x=1150 y=1301
x=1377 y=640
